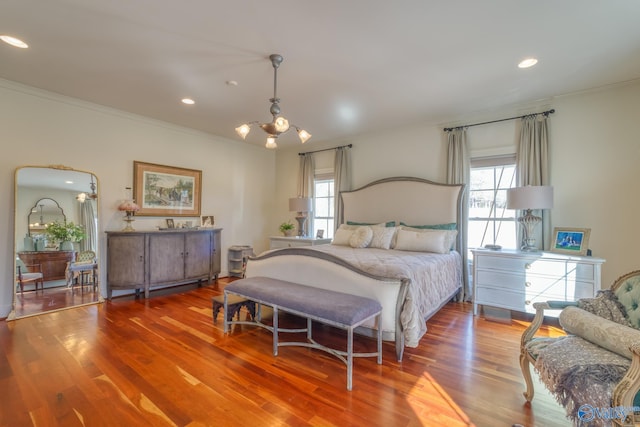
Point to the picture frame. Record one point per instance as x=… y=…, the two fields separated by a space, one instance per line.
x=162 y=190
x=571 y=240
x=207 y=221
x=320 y=234
x=170 y=223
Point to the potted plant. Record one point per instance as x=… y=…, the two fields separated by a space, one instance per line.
x=287 y=228
x=65 y=234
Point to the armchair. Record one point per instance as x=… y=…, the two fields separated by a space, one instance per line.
x=594 y=371
x=82 y=270
x=31 y=273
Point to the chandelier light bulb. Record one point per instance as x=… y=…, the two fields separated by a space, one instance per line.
x=243 y=131
x=271 y=143
x=282 y=124
x=303 y=135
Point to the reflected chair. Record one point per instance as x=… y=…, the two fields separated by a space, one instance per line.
x=31 y=273
x=82 y=270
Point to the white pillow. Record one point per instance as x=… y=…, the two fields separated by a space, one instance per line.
x=437 y=241
x=343 y=234
x=450 y=235
x=361 y=237
x=382 y=237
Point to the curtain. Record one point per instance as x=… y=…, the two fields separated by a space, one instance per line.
x=458 y=173
x=88 y=221
x=341 y=181
x=306 y=176
x=532 y=167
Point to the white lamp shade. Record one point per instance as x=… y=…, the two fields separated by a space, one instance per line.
x=530 y=197
x=300 y=204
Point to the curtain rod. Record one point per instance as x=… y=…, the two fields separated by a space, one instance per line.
x=546 y=113
x=326 y=149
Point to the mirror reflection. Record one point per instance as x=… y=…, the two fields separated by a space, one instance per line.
x=56 y=239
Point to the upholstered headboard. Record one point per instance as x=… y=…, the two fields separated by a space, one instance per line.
x=414 y=201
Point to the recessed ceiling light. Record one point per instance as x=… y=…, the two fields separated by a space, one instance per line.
x=526 y=63
x=14 y=41
x=68 y=182
x=188 y=101
x=232 y=83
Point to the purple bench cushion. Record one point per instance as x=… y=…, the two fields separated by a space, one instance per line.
x=324 y=304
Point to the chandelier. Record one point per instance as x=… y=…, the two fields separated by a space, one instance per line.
x=279 y=124
x=93 y=195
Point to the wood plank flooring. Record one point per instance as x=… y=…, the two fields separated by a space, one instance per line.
x=162 y=362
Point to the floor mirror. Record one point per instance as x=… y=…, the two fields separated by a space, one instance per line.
x=56 y=247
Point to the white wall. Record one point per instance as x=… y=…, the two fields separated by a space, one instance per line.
x=40 y=128
x=595 y=153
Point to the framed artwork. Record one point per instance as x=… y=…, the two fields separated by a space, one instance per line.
x=166 y=190
x=207 y=221
x=568 y=240
x=170 y=223
x=320 y=234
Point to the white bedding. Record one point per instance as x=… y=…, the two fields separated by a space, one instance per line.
x=434 y=280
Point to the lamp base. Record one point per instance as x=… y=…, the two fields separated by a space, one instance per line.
x=529 y=223
x=128 y=220
x=301 y=225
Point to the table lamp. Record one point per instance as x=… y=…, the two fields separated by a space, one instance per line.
x=301 y=205
x=529 y=198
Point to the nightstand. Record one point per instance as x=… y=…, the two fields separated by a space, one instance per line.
x=515 y=280
x=277 y=242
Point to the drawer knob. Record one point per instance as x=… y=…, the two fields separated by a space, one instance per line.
x=527 y=284
x=527 y=266
x=527 y=302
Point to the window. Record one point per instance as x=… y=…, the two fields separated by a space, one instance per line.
x=323 y=206
x=489 y=220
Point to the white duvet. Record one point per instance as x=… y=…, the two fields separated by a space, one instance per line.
x=433 y=280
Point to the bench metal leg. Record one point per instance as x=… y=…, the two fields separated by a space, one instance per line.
x=275 y=330
x=349 y=358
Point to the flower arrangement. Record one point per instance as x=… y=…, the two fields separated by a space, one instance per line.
x=65 y=232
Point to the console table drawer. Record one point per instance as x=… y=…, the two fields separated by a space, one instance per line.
x=578 y=270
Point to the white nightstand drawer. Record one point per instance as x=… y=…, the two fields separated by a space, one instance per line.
x=277 y=244
x=515 y=280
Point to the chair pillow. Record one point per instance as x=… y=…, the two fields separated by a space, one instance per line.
x=599 y=331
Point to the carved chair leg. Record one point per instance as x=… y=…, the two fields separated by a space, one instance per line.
x=526 y=373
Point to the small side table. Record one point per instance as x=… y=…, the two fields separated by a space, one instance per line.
x=234 y=304
x=277 y=242
x=237 y=259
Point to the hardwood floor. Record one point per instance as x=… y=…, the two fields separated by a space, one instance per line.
x=61 y=297
x=162 y=362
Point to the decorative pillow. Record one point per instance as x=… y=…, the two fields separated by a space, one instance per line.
x=382 y=237
x=607 y=306
x=420 y=241
x=450 y=236
x=384 y=224
x=342 y=235
x=602 y=332
x=449 y=226
x=361 y=237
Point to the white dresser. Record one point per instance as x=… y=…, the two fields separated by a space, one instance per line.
x=277 y=242
x=515 y=280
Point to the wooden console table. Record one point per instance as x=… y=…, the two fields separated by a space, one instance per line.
x=53 y=263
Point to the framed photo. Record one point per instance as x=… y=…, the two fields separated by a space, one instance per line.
x=170 y=223
x=568 y=240
x=207 y=221
x=166 y=190
x=320 y=234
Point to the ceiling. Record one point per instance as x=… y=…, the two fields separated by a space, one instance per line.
x=350 y=67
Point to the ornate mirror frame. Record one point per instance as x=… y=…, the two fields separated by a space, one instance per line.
x=64 y=185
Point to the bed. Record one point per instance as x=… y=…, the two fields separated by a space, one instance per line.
x=410 y=283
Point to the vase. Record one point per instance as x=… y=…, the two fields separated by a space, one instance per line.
x=288 y=233
x=66 y=246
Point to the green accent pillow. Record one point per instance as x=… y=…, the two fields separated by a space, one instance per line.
x=450 y=226
x=386 y=224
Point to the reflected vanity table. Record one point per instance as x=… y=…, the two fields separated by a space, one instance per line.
x=54 y=263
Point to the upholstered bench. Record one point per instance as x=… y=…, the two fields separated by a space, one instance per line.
x=336 y=309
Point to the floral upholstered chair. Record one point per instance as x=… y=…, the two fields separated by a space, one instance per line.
x=593 y=371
